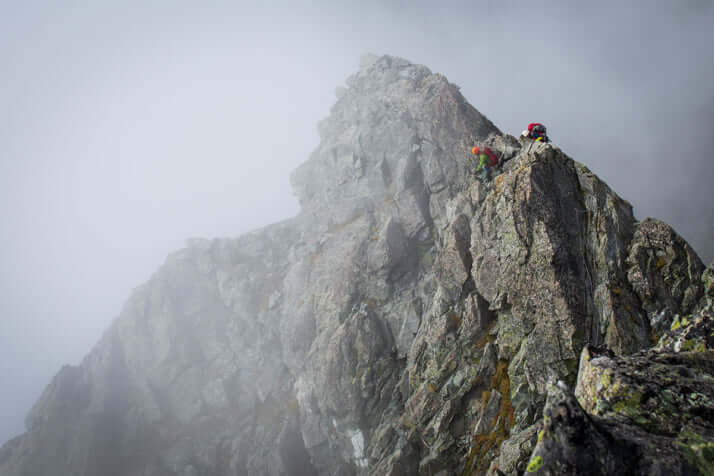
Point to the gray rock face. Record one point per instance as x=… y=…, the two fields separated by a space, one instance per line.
x=664 y=272
x=647 y=413
x=408 y=321
x=575 y=443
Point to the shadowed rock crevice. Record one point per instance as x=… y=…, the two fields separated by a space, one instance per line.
x=293 y=451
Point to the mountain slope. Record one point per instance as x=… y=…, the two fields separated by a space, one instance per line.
x=408 y=321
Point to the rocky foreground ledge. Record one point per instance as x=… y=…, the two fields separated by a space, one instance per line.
x=410 y=320
x=648 y=413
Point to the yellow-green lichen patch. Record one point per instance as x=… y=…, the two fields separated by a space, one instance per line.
x=694 y=345
x=534 y=464
x=698 y=451
x=632 y=398
x=679 y=322
x=606 y=379
x=600 y=406
x=629 y=405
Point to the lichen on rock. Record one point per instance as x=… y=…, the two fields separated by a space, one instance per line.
x=658 y=403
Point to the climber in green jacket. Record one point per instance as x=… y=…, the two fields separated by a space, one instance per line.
x=487 y=160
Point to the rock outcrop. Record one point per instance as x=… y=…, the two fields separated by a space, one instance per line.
x=410 y=320
x=647 y=413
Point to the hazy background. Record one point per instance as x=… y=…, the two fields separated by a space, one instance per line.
x=127 y=128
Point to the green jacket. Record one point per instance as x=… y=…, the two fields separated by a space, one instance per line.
x=482 y=161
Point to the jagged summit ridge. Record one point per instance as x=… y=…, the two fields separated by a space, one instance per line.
x=397 y=128
x=407 y=321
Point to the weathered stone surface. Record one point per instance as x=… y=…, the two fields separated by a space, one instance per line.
x=573 y=443
x=407 y=321
x=664 y=272
x=659 y=391
x=647 y=413
x=515 y=452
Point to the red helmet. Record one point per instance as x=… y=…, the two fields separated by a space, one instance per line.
x=537 y=127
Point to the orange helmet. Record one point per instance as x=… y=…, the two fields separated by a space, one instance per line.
x=475 y=150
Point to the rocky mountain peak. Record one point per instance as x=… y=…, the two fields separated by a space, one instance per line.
x=412 y=319
x=396 y=131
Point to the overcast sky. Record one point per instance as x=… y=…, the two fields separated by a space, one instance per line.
x=128 y=127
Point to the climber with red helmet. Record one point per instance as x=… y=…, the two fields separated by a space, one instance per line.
x=487 y=161
x=536 y=131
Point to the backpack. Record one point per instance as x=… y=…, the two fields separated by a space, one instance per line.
x=537 y=131
x=491 y=156
x=536 y=128
x=489 y=153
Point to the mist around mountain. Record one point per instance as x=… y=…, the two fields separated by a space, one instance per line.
x=410 y=319
x=130 y=127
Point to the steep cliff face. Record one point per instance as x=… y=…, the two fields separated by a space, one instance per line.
x=408 y=321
